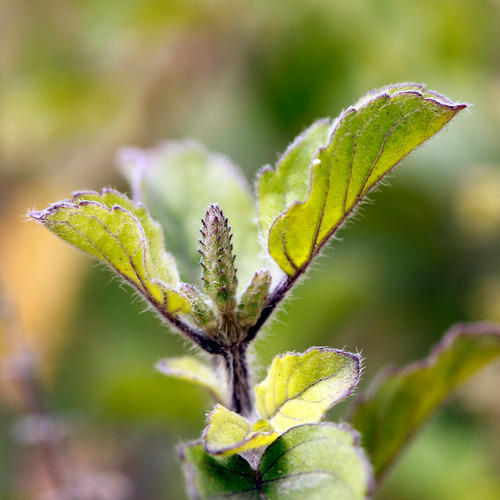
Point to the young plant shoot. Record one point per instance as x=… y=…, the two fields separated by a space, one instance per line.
x=269 y=440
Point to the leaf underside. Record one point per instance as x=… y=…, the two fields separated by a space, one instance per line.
x=365 y=143
x=402 y=400
x=121 y=234
x=314 y=461
x=300 y=388
x=192 y=370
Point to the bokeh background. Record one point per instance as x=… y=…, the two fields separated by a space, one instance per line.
x=82 y=78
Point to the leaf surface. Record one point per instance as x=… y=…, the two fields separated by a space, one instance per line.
x=210 y=477
x=177 y=181
x=300 y=388
x=278 y=188
x=121 y=234
x=321 y=461
x=399 y=403
x=314 y=461
x=192 y=370
x=228 y=433
x=367 y=141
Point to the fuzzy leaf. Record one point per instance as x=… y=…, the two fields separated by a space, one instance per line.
x=190 y=369
x=278 y=189
x=318 y=461
x=300 y=388
x=209 y=477
x=367 y=141
x=395 y=408
x=177 y=181
x=164 y=263
x=110 y=227
x=228 y=433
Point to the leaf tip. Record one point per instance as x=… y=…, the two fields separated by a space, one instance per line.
x=41 y=216
x=37 y=215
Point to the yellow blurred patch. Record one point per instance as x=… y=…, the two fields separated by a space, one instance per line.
x=41 y=275
x=477 y=203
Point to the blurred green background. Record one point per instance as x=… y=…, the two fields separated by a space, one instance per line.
x=82 y=78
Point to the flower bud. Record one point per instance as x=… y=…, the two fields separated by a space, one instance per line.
x=217 y=260
x=254 y=299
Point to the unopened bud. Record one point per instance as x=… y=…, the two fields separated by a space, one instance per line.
x=254 y=299
x=217 y=260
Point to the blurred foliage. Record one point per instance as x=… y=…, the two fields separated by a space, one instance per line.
x=81 y=79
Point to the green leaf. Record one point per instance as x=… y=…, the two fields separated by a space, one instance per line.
x=300 y=388
x=209 y=477
x=367 y=141
x=228 y=433
x=314 y=461
x=278 y=189
x=177 y=181
x=399 y=403
x=164 y=263
x=192 y=370
x=122 y=235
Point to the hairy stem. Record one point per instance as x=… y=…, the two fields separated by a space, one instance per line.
x=197 y=336
x=235 y=354
x=239 y=379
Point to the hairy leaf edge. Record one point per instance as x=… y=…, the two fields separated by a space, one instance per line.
x=356 y=444
x=348 y=392
x=438 y=99
x=222 y=451
x=40 y=216
x=268 y=168
x=190 y=470
x=163 y=367
x=456 y=331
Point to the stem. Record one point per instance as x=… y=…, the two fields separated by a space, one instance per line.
x=193 y=334
x=239 y=379
x=235 y=356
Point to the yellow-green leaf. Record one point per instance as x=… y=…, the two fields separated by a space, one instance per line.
x=300 y=388
x=278 y=188
x=122 y=235
x=321 y=461
x=228 y=433
x=399 y=403
x=367 y=141
x=164 y=263
x=192 y=370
